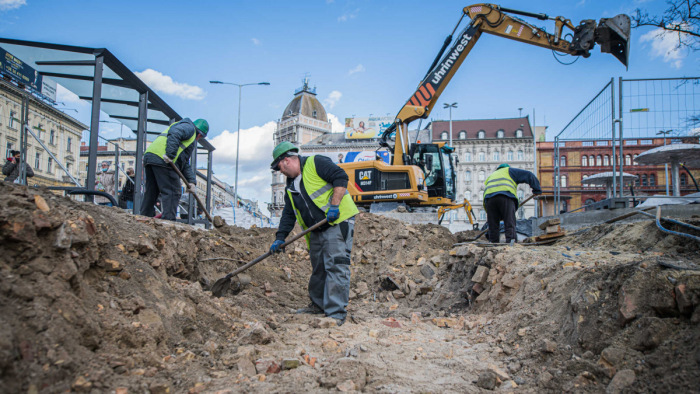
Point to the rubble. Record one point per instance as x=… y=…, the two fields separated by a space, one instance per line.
x=93 y=299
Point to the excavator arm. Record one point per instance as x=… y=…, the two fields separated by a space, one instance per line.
x=612 y=34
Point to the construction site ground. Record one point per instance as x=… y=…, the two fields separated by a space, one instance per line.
x=93 y=299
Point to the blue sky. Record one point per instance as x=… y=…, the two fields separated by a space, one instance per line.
x=365 y=57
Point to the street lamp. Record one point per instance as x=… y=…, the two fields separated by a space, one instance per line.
x=238 y=138
x=450 y=106
x=665 y=164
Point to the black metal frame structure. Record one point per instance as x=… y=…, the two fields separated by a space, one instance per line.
x=96 y=75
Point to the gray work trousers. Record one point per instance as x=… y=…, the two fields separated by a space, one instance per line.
x=329 y=285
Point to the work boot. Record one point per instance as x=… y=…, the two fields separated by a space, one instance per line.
x=311 y=309
x=340 y=322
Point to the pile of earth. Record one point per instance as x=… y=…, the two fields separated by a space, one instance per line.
x=93 y=299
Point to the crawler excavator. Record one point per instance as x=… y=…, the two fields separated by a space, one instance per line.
x=423 y=174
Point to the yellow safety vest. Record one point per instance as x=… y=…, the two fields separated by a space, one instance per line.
x=500 y=181
x=320 y=193
x=157 y=147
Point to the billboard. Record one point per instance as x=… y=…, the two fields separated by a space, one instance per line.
x=366 y=128
x=16 y=69
x=355 y=156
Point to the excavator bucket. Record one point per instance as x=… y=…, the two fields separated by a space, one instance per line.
x=613 y=36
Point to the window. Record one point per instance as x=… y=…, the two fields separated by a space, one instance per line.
x=482 y=156
x=583 y=178
x=131 y=162
x=49 y=166
x=606 y=160
x=509 y=155
x=634 y=159
x=587 y=143
x=584 y=161
x=468 y=176
x=684 y=180
x=462 y=135
x=500 y=134
x=652 y=180
x=562 y=161
x=628 y=160
x=591 y=161
x=12 y=122
x=313 y=114
x=37 y=161
x=496 y=156
x=636 y=181
x=601 y=143
x=521 y=155
x=481 y=134
x=52 y=136
x=518 y=133
x=69 y=144
x=630 y=142
x=482 y=176
x=443 y=136
x=468 y=156
x=564 y=207
x=563 y=181
x=646 y=142
x=468 y=195
x=644 y=180
x=8 y=149
x=482 y=215
x=599 y=160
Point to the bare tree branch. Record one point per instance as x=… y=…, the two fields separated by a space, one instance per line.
x=681 y=17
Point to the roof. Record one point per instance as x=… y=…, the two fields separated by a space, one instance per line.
x=489 y=126
x=305 y=103
x=338 y=140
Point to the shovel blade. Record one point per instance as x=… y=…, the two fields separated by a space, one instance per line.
x=221 y=287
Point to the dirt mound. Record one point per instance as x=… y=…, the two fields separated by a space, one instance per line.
x=94 y=299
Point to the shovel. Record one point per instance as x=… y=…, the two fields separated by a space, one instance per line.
x=216 y=223
x=487 y=230
x=222 y=285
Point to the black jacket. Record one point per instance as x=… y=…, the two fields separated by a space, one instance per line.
x=12 y=171
x=180 y=132
x=128 y=191
x=310 y=213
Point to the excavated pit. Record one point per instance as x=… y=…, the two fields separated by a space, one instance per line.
x=95 y=300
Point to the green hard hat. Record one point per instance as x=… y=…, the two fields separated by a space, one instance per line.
x=202 y=126
x=279 y=153
x=503 y=166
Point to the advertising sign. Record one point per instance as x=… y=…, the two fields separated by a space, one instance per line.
x=355 y=156
x=21 y=72
x=366 y=128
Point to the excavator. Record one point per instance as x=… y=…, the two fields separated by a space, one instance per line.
x=422 y=175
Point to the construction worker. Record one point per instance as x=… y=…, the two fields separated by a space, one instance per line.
x=317 y=189
x=174 y=145
x=500 y=199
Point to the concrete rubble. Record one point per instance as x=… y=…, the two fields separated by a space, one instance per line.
x=93 y=299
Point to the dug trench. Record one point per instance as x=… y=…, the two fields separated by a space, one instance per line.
x=93 y=299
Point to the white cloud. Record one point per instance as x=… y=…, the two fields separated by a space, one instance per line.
x=336 y=125
x=6 y=5
x=64 y=95
x=255 y=146
x=348 y=15
x=332 y=99
x=165 y=84
x=255 y=41
x=357 y=69
x=665 y=44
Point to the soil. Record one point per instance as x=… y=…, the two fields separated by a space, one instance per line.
x=93 y=299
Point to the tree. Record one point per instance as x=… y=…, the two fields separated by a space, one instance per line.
x=682 y=17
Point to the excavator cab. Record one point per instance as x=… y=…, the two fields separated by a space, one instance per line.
x=436 y=163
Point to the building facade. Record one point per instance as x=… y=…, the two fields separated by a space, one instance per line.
x=106 y=152
x=481 y=145
x=59 y=133
x=581 y=159
x=303 y=120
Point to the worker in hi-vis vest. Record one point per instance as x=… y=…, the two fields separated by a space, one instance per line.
x=316 y=190
x=501 y=201
x=174 y=145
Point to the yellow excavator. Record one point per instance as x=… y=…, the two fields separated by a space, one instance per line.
x=423 y=174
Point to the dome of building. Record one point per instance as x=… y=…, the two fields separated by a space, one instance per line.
x=305 y=103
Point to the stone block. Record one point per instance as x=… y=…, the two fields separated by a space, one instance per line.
x=481 y=275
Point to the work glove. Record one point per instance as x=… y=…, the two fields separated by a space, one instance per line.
x=191 y=188
x=333 y=213
x=167 y=160
x=275 y=247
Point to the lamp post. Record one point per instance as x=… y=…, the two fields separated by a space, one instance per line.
x=238 y=137
x=116 y=158
x=665 y=164
x=450 y=106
